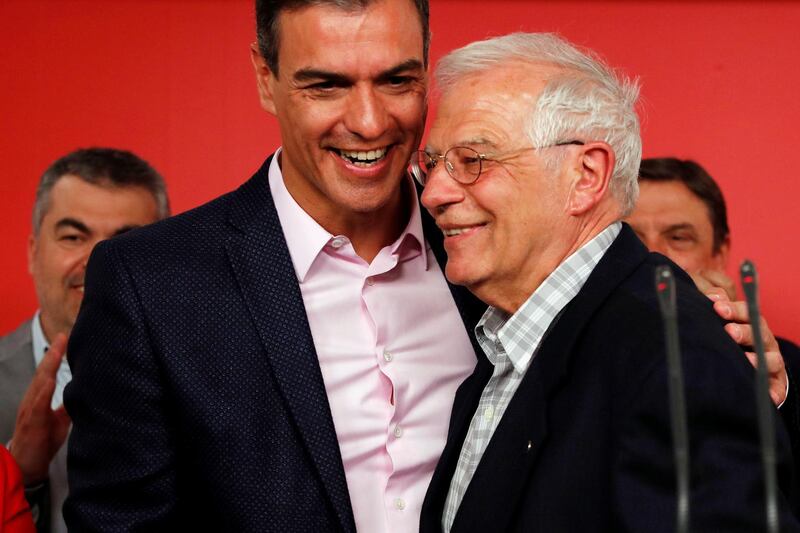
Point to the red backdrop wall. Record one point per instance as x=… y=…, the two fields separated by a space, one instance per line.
x=171 y=80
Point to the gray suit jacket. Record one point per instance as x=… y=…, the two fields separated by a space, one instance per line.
x=16 y=373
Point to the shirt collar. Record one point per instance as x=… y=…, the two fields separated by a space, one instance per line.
x=412 y=242
x=305 y=238
x=520 y=334
x=40 y=344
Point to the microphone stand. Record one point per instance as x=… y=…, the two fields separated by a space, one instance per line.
x=763 y=403
x=665 y=289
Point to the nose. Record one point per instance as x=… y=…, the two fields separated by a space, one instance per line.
x=441 y=190
x=87 y=250
x=654 y=244
x=367 y=114
x=84 y=259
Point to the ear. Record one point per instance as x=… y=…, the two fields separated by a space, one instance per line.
x=595 y=165
x=720 y=259
x=31 y=252
x=264 y=79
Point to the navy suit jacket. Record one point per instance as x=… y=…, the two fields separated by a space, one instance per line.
x=585 y=443
x=197 y=398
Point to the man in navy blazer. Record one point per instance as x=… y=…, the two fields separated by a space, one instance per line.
x=211 y=392
x=565 y=424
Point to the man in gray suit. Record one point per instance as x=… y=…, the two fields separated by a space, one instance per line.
x=84 y=197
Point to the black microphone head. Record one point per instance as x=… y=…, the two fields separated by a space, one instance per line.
x=749 y=279
x=665 y=289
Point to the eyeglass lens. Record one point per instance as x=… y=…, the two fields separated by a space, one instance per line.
x=462 y=163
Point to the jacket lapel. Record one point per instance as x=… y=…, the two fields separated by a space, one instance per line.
x=263 y=268
x=466 y=402
x=510 y=458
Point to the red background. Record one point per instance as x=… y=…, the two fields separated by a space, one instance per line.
x=171 y=80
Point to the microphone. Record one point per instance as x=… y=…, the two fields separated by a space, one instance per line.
x=749 y=280
x=665 y=289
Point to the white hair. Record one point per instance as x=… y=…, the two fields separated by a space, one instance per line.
x=588 y=102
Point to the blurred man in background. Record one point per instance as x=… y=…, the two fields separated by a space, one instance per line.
x=681 y=213
x=84 y=197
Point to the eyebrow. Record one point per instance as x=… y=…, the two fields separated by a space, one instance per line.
x=312 y=74
x=123 y=229
x=679 y=226
x=74 y=223
x=480 y=142
x=405 y=66
x=474 y=142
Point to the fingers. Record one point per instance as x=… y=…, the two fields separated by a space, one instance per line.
x=776 y=372
x=53 y=356
x=703 y=284
x=741 y=331
x=717 y=294
x=39 y=431
x=39 y=394
x=42 y=396
x=61 y=415
x=719 y=279
x=733 y=311
x=774 y=362
x=777 y=395
x=61 y=423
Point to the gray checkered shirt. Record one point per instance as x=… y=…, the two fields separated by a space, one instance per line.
x=510 y=343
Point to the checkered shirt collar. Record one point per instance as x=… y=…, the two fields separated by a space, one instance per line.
x=520 y=334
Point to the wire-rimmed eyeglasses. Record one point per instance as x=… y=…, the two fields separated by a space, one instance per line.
x=464 y=164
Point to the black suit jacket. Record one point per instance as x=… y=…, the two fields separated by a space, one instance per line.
x=790 y=410
x=585 y=443
x=197 y=398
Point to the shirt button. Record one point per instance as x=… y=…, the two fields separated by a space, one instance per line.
x=398 y=431
x=338 y=242
x=370 y=281
x=400 y=503
x=488 y=413
x=387 y=356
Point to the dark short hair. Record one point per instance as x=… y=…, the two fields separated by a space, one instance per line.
x=101 y=166
x=696 y=180
x=267 y=23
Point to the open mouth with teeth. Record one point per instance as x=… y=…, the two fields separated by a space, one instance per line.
x=363 y=158
x=452 y=232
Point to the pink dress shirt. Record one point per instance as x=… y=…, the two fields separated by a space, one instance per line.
x=393 y=350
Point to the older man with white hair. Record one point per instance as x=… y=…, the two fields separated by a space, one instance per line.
x=564 y=425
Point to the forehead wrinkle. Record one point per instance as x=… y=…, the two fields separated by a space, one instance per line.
x=501 y=102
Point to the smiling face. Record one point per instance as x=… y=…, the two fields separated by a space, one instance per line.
x=503 y=230
x=672 y=221
x=79 y=215
x=350 y=99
